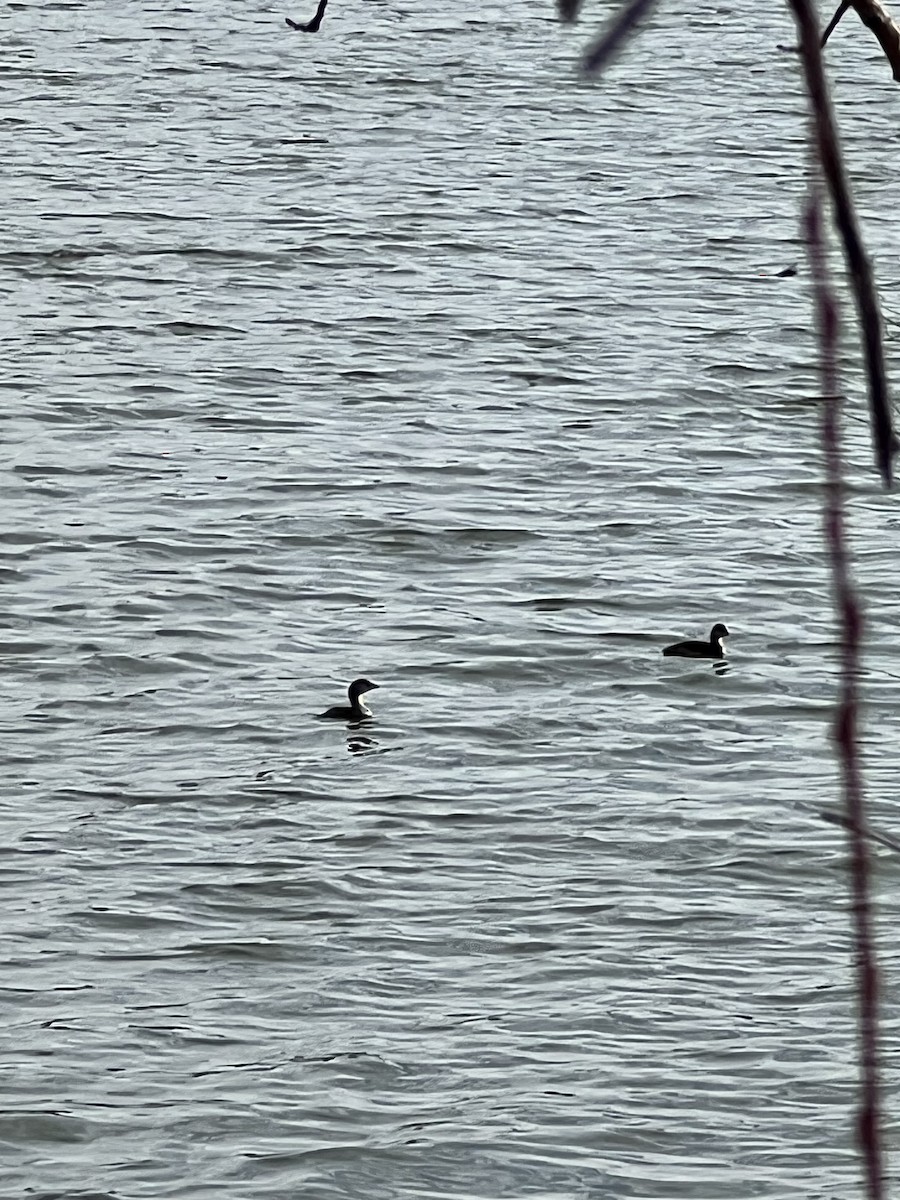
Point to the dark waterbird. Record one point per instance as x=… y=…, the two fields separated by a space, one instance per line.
x=313 y=25
x=711 y=649
x=355 y=710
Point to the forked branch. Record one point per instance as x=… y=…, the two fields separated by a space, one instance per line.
x=876 y=17
x=859 y=267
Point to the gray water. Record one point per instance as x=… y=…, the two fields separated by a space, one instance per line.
x=402 y=351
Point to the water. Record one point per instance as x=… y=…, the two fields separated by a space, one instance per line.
x=402 y=351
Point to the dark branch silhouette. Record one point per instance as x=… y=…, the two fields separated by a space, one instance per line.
x=313 y=25
x=874 y=835
x=617 y=32
x=842 y=8
x=846 y=724
x=861 y=279
x=826 y=155
x=860 y=269
x=874 y=16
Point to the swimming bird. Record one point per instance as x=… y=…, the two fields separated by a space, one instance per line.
x=313 y=25
x=711 y=649
x=356 y=710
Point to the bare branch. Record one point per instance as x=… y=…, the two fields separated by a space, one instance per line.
x=846 y=725
x=876 y=17
x=874 y=835
x=617 y=33
x=860 y=269
x=842 y=8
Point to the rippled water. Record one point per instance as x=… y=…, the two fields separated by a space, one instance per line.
x=402 y=351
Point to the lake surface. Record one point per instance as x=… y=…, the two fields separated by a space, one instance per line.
x=402 y=351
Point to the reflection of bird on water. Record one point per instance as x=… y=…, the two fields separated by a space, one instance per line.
x=711 y=649
x=313 y=25
x=356 y=710
x=358 y=743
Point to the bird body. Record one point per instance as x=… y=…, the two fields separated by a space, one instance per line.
x=355 y=710
x=313 y=25
x=711 y=649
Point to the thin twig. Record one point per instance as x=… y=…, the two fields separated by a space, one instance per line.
x=874 y=835
x=616 y=34
x=832 y=24
x=847 y=716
